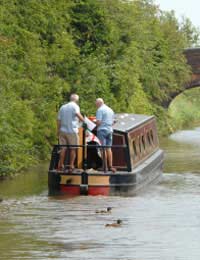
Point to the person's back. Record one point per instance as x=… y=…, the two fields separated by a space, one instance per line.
x=106 y=115
x=104 y=122
x=67 y=129
x=68 y=117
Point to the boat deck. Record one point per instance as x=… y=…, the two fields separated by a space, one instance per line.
x=88 y=171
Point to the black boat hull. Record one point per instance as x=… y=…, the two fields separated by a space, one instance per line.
x=106 y=184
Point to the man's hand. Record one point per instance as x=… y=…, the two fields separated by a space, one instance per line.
x=84 y=125
x=98 y=122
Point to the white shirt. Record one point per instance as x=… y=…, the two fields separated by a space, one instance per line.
x=67 y=116
x=106 y=115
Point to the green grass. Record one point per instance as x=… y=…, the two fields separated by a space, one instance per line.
x=184 y=111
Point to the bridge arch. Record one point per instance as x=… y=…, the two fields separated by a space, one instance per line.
x=193 y=59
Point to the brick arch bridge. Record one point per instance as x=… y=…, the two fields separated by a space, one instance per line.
x=193 y=59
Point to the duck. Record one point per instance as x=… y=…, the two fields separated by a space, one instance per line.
x=117 y=224
x=108 y=210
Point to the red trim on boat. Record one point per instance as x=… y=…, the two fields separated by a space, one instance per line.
x=71 y=190
x=94 y=191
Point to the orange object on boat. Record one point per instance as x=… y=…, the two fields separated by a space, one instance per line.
x=92 y=118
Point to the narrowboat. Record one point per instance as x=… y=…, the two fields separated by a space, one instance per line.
x=137 y=158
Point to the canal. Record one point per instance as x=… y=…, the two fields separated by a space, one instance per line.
x=163 y=223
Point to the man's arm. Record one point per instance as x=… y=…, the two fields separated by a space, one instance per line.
x=80 y=117
x=98 y=117
x=114 y=119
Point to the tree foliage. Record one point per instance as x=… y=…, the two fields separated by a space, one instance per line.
x=128 y=52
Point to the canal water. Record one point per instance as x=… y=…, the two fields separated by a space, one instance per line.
x=163 y=223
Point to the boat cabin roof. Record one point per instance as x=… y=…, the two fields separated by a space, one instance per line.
x=126 y=122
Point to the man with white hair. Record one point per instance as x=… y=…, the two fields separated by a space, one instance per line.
x=104 y=121
x=67 y=129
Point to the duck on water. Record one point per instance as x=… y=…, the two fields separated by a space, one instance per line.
x=137 y=158
x=108 y=210
x=118 y=223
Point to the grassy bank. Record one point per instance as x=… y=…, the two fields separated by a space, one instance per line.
x=184 y=111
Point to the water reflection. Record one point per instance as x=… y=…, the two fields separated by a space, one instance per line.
x=33 y=181
x=182 y=151
x=162 y=223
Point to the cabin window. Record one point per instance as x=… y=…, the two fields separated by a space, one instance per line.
x=148 y=138
x=134 y=149
x=143 y=142
x=151 y=136
x=140 y=145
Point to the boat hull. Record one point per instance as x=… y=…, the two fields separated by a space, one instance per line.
x=107 y=184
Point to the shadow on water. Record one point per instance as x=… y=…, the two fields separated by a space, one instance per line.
x=163 y=223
